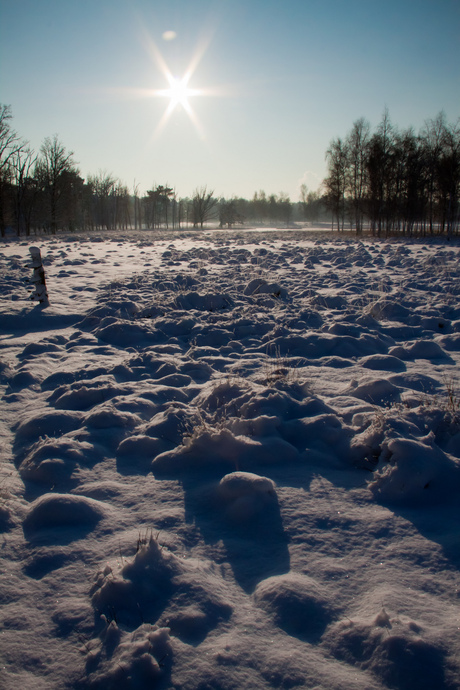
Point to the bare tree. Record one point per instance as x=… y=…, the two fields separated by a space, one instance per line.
x=434 y=136
x=336 y=183
x=102 y=187
x=311 y=204
x=403 y=182
x=10 y=146
x=285 y=208
x=121 y=211
x=137 y=220
x=157 y=203
x=304 y=199
x=164 y=195
x=409 y=173
x=175 y=210
x=380 y=168
x=448 y=178
x=357 y=151
x=203 y=204
x=53 y=162
x=260 y=205
x=229 y=214
x=25 y=188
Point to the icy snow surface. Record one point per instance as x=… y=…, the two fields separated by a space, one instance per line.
x=230 y=460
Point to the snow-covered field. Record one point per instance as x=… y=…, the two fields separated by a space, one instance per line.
x=230 y=460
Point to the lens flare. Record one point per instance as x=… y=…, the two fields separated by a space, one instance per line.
x=179 y=91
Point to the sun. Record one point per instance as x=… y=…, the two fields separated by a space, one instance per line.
x=179 y=92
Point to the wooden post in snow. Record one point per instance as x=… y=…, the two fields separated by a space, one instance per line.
x=38 y=278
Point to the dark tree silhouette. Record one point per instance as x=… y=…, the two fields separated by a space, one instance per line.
x=229 y=214
x=203 y=204
x=357 y=144
x=102 y=186
x=402 y=182
x=25 y=189
x=10 y=146
x=336 y=182
x=52 y=170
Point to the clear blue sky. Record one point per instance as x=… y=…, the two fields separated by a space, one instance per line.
x=280 y=79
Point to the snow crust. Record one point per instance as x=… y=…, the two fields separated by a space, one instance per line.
x=230 y=460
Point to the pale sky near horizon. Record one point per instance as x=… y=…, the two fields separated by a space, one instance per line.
x=277 y=80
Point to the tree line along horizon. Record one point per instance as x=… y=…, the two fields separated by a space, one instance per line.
x=386 y=181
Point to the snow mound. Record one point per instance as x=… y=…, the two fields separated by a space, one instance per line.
x=105 y=417
x=124 y=333
x=141 y=446
x=24 y=378
x=211 y=449
x=392 y=650
x=52 y=511
x=450 y=342
x=416 y=382
x=6 y=520
x=283 y=401
x=83 y=395
x=170 y=424
x=298 y=604
x=54 y=459
x=419 y=349
x=426 y=349
x=138 y=659
x=48 y=423
x=376 y=391
x=383 y=363
x=415 y=472
x=140 y=588
x=39 y=348
x=158 y=587
x=259 y=286
x=208 y=302
x=224 y=395
x=436 y=324
x=320 y=438
x=331 y=302
x=389 y=310
x=124 y=309
x=219 y=449
x=316 y=345
x=245 y=495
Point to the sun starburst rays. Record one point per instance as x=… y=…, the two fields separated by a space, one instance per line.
x=179 y=92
